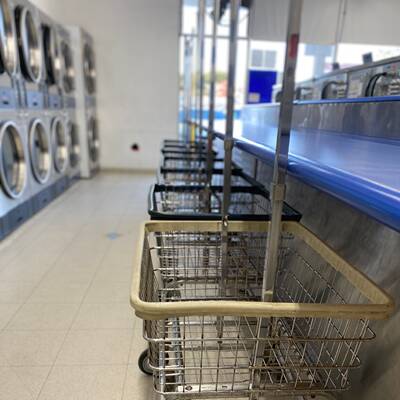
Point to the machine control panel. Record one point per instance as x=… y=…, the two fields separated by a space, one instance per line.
x=358 y=82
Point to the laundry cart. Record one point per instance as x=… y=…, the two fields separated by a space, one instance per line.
x=170 y=160
x=191 y=155
x=210 y=335
x=167 y=202
x=199 y=176
x=189 y=151
x=184 y=145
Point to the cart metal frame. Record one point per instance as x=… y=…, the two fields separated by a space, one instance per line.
x=248 y=203
x=204 y=344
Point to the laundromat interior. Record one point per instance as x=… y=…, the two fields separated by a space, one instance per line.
x=199 y=199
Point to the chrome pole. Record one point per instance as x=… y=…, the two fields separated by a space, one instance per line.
x=200 y=63
x=228 y=140
x=267 y=327
x=230 y=107
x=187 y=86
x=213 y=75
x=278 y=185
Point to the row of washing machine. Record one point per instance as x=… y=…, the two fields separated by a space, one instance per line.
x=48 y=125
x=375 y=79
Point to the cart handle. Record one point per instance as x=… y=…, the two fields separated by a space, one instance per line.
x=381 y=306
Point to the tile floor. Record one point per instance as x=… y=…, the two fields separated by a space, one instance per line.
x=67 y=331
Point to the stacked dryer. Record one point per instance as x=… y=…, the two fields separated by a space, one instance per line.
x=86 y=114
x=14 y=159
x=34 y=141
x=40 y=80
x=44 y=144
x=69 y=103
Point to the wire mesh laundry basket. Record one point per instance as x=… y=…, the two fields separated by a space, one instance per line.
x=189 y=161
x=182 y=144
x=202 y=203
x=198 y=176
x=210 y=335
x=185 y=152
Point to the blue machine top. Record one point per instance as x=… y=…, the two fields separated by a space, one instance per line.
x=362 y=171
x=376 y=99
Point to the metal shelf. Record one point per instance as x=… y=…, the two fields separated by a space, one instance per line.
x=359 y=170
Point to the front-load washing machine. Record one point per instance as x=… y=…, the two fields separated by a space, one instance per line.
x=32 y=76
x=52 y=62
x=15 y=205
x=60 y=152
x=93 y=141
x=69 y=104
x=9 y=57
x=86 y=113
x=68 y=83
x=41 y=177
x=74 y=147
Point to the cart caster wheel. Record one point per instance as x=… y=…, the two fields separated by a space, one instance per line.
x=143 y=363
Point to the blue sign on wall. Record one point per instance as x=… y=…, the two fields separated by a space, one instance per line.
x=260 y=86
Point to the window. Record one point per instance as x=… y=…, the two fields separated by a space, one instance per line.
x=263 y=59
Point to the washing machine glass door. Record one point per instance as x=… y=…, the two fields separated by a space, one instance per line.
x=93 y=140
x=74 y=147
x=31 y=46
x=68 y=66
x=89 y=69
x=60 y=146
x=52 y=55
x=39 y=141
x=12 y=165
x=8 y=43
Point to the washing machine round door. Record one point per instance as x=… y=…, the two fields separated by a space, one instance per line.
x=89 y=69
x=93 y=140
x=60 y=145
x=68 y=67
x=39 y=144
x=30 y=45
x=74 y=146
x=52 y=55
x=8 y=42
x=12 y=162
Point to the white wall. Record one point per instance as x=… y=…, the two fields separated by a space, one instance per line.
x=136 y=44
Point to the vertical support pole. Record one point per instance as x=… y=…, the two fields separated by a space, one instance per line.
x=230 y=107
x=228 y=146
x=277 y=196
x=187 y=86
x=228 y=140
x=213 y=76
x=193 y=96
x=282 y=149
x=340 y=23
x=200 y=64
